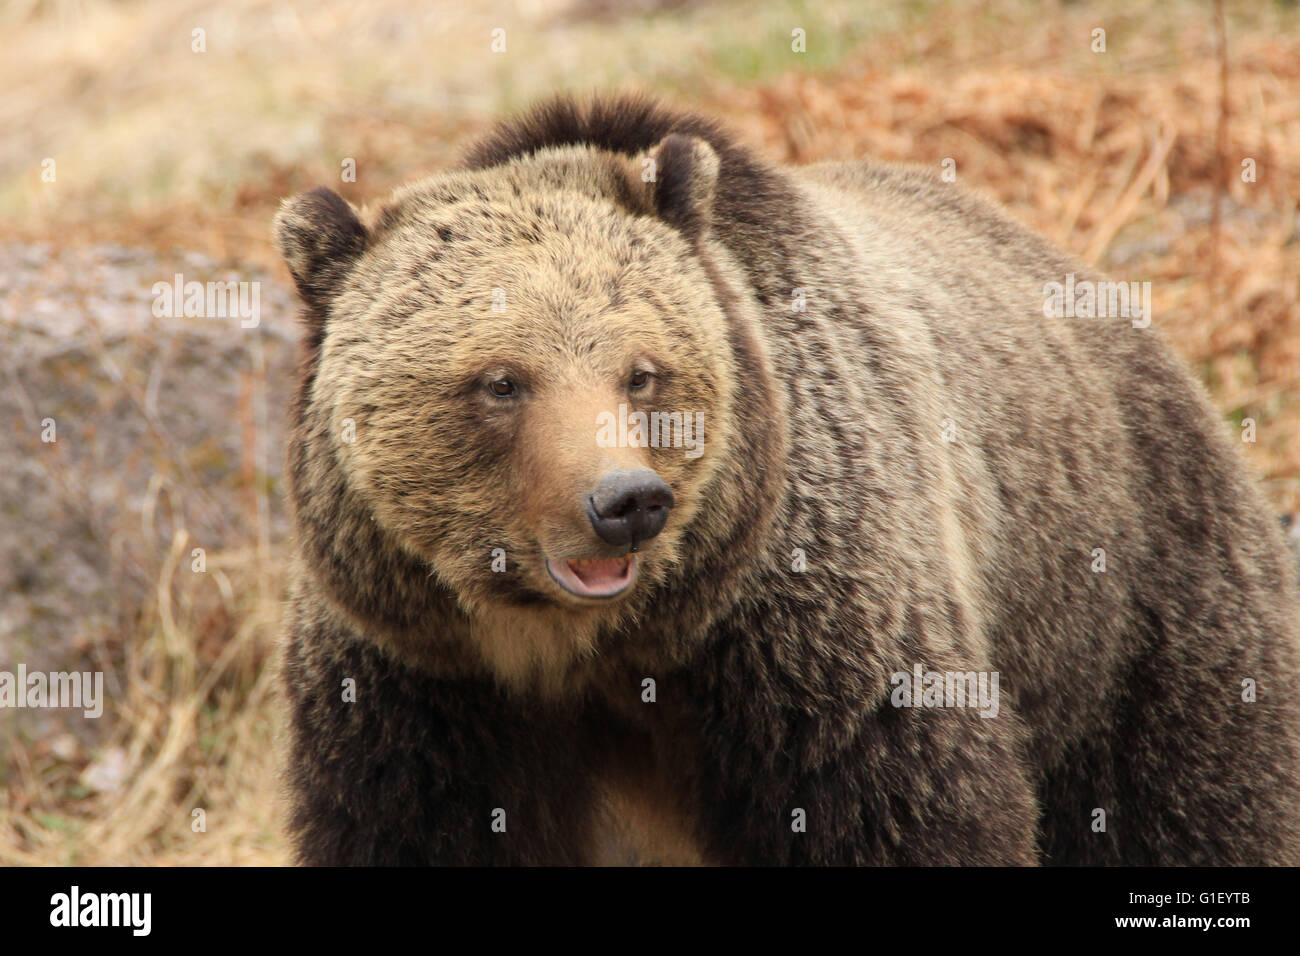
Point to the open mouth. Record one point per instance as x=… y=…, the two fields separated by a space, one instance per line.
x=594 y=577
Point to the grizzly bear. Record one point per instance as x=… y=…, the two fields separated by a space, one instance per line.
x=654 y=502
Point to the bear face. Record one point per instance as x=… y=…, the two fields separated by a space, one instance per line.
x=521 y=384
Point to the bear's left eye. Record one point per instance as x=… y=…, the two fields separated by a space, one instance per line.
x=503 y=388
x=639 y=381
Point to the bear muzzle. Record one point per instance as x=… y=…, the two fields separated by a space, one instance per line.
x=629 y=507
x=626 y=509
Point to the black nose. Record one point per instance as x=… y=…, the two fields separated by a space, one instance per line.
x=630 y=506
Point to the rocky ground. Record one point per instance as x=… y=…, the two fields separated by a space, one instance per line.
x=167 y=436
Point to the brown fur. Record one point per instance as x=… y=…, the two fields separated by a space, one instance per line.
x=480 y=690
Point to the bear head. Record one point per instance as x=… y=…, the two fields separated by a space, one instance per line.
x=518 y=389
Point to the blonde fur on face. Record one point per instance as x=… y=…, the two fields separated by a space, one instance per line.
x=472 y=276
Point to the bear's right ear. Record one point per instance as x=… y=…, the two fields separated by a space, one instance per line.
x=320 y=238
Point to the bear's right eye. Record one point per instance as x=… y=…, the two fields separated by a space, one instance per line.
x=503 y=388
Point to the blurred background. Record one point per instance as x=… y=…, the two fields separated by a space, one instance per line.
x=148 y=540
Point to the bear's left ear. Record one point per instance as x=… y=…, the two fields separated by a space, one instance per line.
x=320 y=238
x=678 y=178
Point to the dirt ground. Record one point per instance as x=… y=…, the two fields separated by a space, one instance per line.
x=130 y=155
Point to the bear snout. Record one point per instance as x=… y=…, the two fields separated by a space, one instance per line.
x=629 y=507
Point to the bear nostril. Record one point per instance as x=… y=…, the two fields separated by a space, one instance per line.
x=629 y=506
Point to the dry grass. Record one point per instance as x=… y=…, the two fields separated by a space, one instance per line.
x=1113 y=155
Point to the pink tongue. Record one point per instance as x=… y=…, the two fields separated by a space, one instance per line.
x=596 y=573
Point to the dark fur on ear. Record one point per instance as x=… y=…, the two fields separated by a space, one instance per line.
x=685 y=180
x=320 y=238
